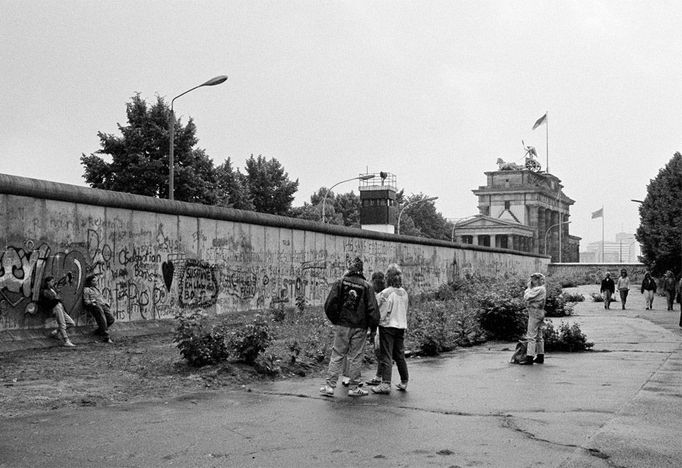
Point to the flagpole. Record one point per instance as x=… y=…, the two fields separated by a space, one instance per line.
x=547 y=142
x=602 y=233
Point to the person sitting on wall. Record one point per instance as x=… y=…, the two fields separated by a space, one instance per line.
x=50 y=300
x=98 y=307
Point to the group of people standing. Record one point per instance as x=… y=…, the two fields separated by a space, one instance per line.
x=357 y=309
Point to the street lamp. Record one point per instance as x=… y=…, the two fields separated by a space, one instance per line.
x=412 y=203
x=324 y=200
x=171 y=156
x=547 y=233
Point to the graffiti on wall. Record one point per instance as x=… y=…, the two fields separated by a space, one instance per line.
x=148 y=271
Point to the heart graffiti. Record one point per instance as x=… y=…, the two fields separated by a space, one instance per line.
x=167 y=269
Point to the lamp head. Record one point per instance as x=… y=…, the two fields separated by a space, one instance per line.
x=215 y=81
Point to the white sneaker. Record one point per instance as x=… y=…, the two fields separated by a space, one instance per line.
x=68 y=344
x=357 y=391
x=326 y=390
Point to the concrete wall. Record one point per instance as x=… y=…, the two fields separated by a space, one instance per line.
x=157 y=256
x=595 y=271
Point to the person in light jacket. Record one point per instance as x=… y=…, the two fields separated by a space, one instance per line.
x=535 y=297
x=623 y=286
x=393 y=304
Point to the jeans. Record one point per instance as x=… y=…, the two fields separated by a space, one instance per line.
x=670 y=297
x=103 y=317
x=607 y=299
x=649 y=298
x=392 y=345
x=623 y=297
x=534 y=338
x=348 y=343
x=64 y=320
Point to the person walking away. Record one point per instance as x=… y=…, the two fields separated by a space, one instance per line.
x=98 y=307
x=649 y=290
x=351 y=307
x=623 y=286
x=52 y=301
x=393 y=304
x=669 y=288
x=535 y=296
x=607 y=290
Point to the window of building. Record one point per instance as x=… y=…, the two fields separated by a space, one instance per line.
x=467 y=239
x=484 y=240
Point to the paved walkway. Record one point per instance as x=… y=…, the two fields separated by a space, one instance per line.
x=619 y=406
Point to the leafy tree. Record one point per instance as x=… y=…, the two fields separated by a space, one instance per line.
x=660 y=229
x=232 y=188
x=139 y=157
x=269 y=186
x=342 y=209
x=421 y=219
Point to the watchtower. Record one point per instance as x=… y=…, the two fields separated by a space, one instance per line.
x=378 y=210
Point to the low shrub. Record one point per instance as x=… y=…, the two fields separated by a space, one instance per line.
x=267 y=364
x=247 y=342
x=572 y=297
x=566 y=338
x=439 y=326
x=502 y=316
x=597 y=297
x=199 y=342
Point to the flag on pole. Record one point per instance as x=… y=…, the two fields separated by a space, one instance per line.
x=540 y=121
x=598 y=214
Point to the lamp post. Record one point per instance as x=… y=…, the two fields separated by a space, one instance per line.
x=412 y=203
x=324 y=200
x=171 y=153
x=547 y=233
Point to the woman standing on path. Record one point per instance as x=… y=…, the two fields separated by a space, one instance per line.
x=623 y=287
x=607 y=290
x=534 y=297
x=393 y=303
x=649 y=290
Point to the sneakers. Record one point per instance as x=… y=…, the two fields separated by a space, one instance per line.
x=326 y=390
x=374 y=381
x=108 y=341
x=527 y=362
x=401 y=386
x=68 y=344
x=357 y=392
x=382 y=389
x=539 y=359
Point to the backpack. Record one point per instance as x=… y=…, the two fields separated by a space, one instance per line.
x=519 y=353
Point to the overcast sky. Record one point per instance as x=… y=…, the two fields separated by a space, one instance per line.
x=432 y=91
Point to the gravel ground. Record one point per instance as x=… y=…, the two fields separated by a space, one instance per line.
x=139 y=368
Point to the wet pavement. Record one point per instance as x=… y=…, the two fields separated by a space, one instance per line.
x=617 y=406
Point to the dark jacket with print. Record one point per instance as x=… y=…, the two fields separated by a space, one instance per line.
x=352 y=303
x=49 y=298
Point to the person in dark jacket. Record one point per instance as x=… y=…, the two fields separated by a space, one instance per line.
x=352 y=307
x=649 y=290
x=608 y=287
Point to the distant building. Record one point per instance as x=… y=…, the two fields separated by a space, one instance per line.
x=522 y=209
x=625 y=249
